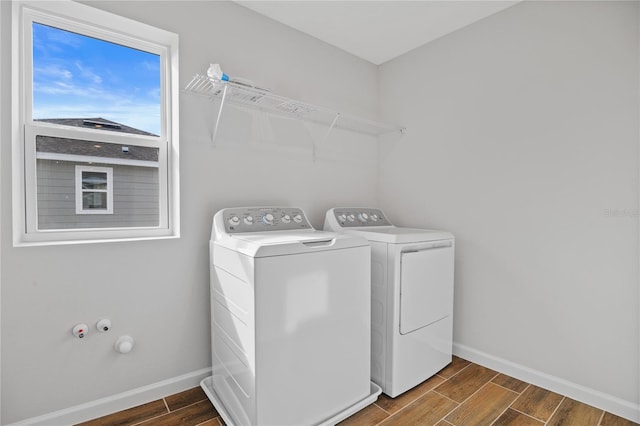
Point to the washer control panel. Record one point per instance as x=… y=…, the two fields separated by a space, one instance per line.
x=260 y=219
x=356 y=216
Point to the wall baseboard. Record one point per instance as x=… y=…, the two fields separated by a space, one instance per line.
x=118 y=402
x=610 y=403
x=128 y=399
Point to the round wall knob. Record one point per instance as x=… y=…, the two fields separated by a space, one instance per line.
x=124 y=344
x=80 y=330
x=103 y=325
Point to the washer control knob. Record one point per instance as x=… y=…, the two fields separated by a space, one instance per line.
x=267 y=219
x=374 y=217
x=234 y=221
x=342 y=217
x=297 y=218
x=351 y=218
x=363 y=217
x=286 y=218
x=248 y=220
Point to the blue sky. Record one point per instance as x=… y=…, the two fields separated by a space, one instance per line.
x=75 y=76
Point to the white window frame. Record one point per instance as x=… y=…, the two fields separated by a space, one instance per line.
x=80 y=191
x=86 y=20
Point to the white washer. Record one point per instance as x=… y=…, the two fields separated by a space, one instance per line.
x=411 y=294
x=290 y=319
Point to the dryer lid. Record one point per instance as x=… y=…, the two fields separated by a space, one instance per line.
x=399 y=235
x=372 y=224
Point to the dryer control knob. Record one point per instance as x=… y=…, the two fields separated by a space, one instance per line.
x=342 y=218
x=297 y=218
x=374 y=217
x=286 y=218
x=351 y=218
x=267 y=219
x=248 y=220
x=234 y=221
x=363 y=217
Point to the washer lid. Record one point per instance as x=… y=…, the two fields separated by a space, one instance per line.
x=399 y=235
x=280 y=243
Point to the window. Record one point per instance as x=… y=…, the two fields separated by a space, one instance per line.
x=94 y=190
x=95 y=127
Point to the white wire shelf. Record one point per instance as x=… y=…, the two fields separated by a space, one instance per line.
x=244 y=95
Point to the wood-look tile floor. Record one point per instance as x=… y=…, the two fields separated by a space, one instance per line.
x=462 y=394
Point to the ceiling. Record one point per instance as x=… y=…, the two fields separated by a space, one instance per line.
x=376 y=31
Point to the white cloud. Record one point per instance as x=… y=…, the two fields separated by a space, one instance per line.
x=154 y=93
x=66 y=38
x=88 y=73
x=53 y=70
x=151 y=66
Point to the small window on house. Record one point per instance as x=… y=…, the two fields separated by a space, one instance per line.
x=94 y=190
x=96 y=126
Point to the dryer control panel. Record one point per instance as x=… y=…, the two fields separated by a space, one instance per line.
x=260 y=219
x=348 y=217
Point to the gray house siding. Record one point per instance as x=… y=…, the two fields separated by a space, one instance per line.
x=135 y=197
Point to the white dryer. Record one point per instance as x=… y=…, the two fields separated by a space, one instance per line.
x=411 y=295
x=290 y=319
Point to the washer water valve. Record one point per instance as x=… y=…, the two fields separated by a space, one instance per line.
x=80 y=330
x=104 y=325
x=124 y=344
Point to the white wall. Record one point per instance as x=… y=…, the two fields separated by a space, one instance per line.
x=523 y=141
x=157 y=291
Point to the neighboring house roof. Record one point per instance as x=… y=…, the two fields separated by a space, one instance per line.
x=66 y=146
x=96 y=123
x=55 y=145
